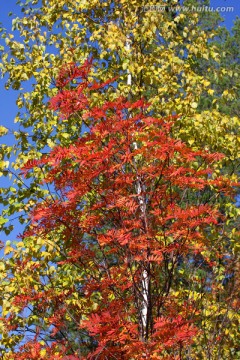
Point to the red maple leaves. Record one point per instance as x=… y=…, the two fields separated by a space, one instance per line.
x=131 y=201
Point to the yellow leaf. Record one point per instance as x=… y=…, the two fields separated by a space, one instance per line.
x=3 y=130
x=8 y=250
x=210 y=91
x=194 y=105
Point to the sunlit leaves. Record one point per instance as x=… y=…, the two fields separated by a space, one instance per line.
x=51 y=269
x=101 y=234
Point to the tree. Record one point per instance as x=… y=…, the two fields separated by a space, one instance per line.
x=166 y=75
x=164 y=62
x=106 y=234
x=224 y=77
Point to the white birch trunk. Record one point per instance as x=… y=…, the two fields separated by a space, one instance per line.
x=145 y=277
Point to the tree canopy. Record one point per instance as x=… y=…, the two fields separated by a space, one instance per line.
x=126 y=192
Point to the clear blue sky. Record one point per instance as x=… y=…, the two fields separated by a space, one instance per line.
x=8 y=98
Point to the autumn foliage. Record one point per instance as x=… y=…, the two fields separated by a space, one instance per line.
x=133 y=207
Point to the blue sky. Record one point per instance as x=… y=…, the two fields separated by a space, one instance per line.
x=8 y=98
